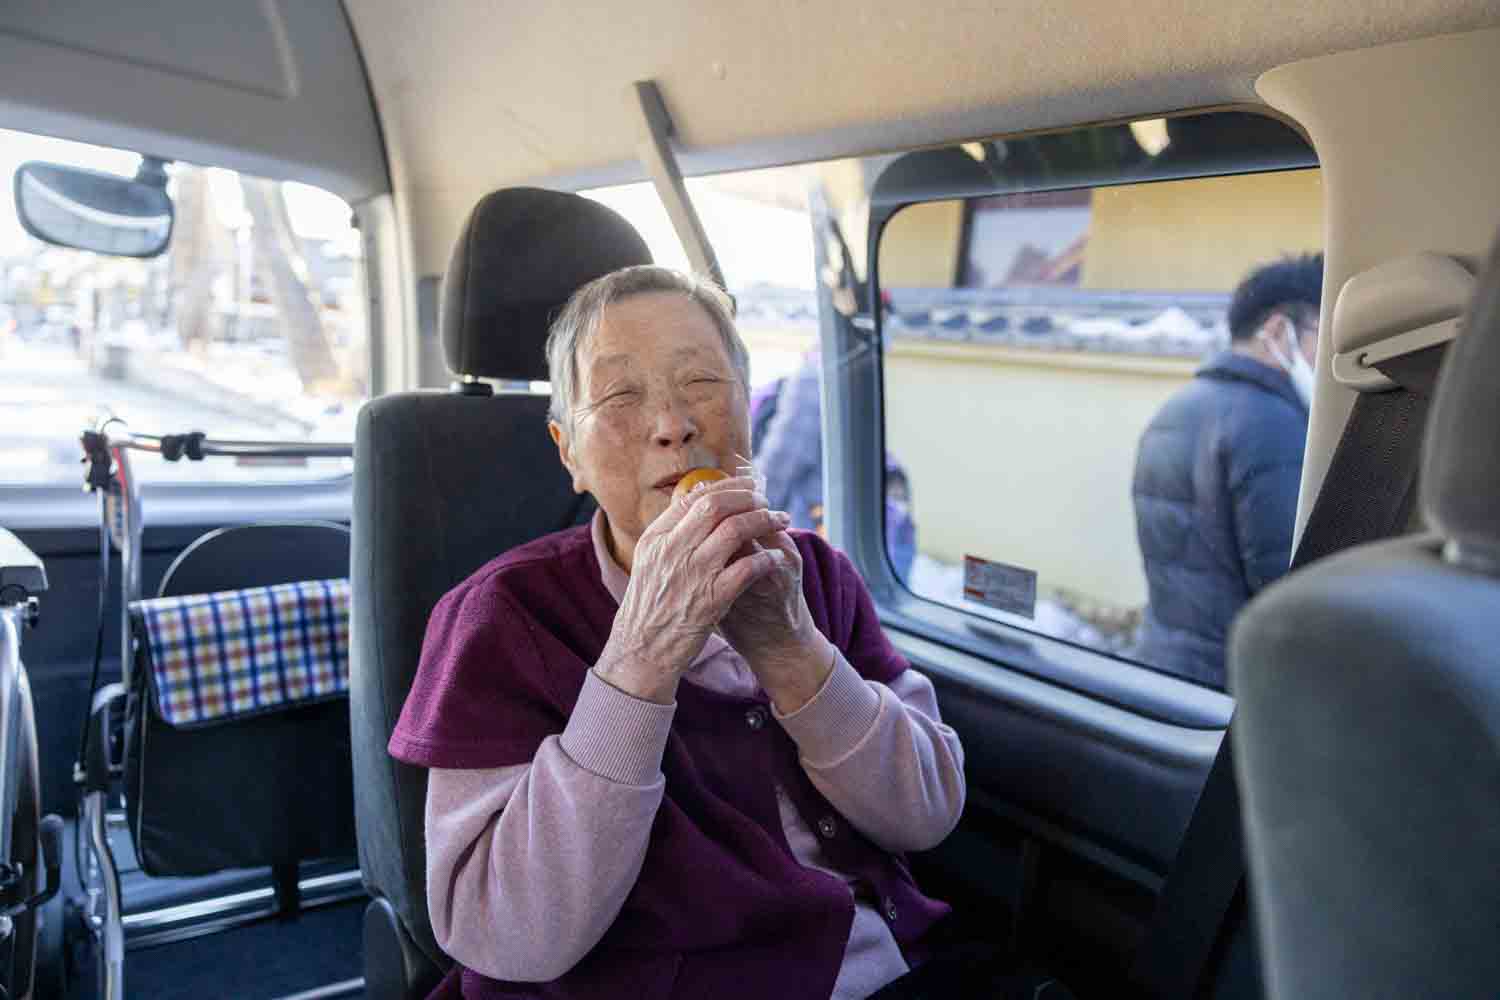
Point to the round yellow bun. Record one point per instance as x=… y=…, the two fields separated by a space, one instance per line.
x=694 y=477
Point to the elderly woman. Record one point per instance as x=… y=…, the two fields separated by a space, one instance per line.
x=671 y=752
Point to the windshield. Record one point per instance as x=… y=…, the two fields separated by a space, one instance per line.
x=251 y=326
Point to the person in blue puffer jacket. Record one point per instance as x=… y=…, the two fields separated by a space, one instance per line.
x=1218 y=471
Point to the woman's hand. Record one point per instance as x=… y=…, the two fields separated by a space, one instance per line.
x=770 y=626
x=691 y=564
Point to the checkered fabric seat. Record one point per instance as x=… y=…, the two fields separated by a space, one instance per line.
x=237 y=653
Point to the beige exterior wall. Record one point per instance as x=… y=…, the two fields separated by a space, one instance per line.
x=1026 y=457
x=1200 y=235
x=1195 y=235
x=919 y=246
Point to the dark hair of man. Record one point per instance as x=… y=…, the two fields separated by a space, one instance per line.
x=1278 y=287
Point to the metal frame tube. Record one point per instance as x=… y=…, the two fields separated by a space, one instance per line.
x=133 y=527
x=120 y=441
x=345 y=988
x=10 y=708
x=111 y=931
x=125 y=439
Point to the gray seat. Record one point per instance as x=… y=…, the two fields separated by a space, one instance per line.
x=297 y=802
x=1367 y=730
x=444 y=482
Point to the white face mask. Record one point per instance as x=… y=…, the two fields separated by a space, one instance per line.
x=1296 y=367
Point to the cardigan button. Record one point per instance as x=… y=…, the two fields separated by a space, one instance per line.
x=827 y=828
x=755 y=718
x=890 y=910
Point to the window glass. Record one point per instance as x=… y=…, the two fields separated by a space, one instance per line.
x=1080 y=444
x=251 y=325
x=757 y=222
x=760 y=223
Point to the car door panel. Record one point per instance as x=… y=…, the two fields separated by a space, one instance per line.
x=1126 y=783
x=1075 y=811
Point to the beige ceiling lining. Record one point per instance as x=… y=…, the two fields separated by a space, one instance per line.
x=928 y=130
x=479 y=94
x=502 y=91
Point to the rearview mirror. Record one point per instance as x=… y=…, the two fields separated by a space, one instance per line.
x=89 y=210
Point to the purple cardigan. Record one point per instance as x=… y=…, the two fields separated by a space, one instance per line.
x=721 y=907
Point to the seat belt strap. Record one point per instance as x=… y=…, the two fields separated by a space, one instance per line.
x=1367 y=495
x=1371 y=485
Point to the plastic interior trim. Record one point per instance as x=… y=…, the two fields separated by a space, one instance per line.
x=1357 y=368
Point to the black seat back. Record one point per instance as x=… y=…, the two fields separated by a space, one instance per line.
x=445 y=482
x=269 y=789
x=1368 y=728
x=259 y=555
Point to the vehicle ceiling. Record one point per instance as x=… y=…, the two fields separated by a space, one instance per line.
x=482 y=93
x=479 y=94
x=470 y=95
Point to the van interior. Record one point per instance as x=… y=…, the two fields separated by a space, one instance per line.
x=994 y=239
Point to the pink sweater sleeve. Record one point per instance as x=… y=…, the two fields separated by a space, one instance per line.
x=882 y=756
x=528 y=865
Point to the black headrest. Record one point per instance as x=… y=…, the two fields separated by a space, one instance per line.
x=522 y=253
x=1461 y=467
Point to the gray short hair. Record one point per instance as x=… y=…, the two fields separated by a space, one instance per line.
x=579 y=320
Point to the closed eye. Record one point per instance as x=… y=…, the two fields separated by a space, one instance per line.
x=619 y=397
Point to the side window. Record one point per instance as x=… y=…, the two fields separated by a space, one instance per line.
x=1094 y=412
x=251 y=325
x=759 y=226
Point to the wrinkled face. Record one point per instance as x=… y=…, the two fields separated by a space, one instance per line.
x=657 y=395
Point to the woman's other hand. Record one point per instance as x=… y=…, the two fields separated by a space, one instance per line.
x=770 y=626
x=691 y=564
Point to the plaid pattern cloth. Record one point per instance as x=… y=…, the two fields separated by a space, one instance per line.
x=242 y=652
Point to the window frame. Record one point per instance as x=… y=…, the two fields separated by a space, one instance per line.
x=854 y=449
